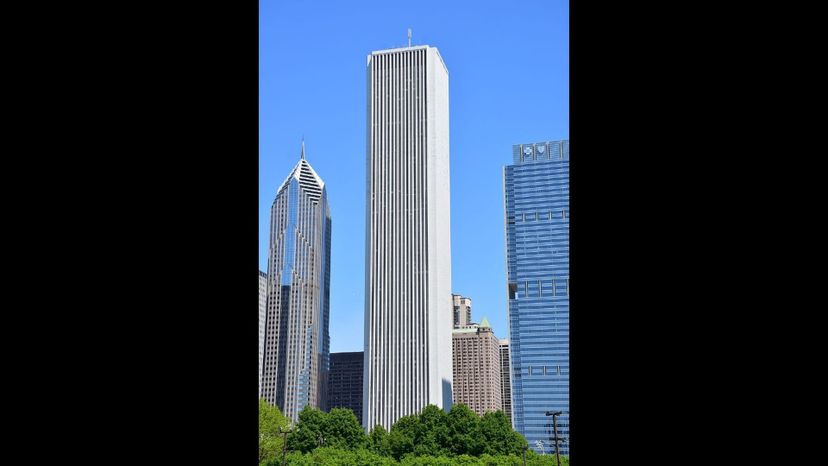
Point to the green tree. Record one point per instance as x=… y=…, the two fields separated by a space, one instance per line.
x=498 y=437
x=270 y=440
x=402 y=436
x=378 y=441
x=310 y=430
x=463 y=431
x=343 y=430
x=338 y=429
x=432 y=438
x=330 y=456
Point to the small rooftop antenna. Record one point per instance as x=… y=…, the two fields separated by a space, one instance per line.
x=409 y=37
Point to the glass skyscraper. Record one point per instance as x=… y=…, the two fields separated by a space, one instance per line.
x=536 y=201
x=296 y=340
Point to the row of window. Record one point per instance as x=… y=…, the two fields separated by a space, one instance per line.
x=536 y=216
x=544 y=370
x=539 y=288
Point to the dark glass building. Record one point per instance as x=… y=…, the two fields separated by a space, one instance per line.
x=536 y=191
x=345 y=382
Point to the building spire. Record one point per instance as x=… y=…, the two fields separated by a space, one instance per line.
x=303 y=147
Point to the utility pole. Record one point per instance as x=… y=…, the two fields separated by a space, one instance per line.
x=524 y=454
x=555 y=415
x=284 y=444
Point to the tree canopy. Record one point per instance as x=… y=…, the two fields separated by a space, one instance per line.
x=431 y=437
x=270 y=440
x=338 y=428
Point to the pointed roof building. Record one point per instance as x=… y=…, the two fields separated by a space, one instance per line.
x=308 y=180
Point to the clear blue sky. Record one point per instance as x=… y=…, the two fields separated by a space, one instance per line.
x=508 y=66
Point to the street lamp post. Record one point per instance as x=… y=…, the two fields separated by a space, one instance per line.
x=555 y=415
x=284 y=444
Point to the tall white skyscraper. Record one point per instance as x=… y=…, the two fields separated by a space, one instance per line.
x=296 y=347
x=262 y=316
x=408 y=303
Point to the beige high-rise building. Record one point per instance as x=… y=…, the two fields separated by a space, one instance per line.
x=462 y=311
x=476 y=354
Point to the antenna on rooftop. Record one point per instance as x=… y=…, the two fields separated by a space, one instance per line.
x=409 y=37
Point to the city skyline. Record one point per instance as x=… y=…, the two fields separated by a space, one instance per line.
x=527 y=65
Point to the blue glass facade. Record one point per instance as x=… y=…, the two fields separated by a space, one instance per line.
x=536 y=199
x=296 y=345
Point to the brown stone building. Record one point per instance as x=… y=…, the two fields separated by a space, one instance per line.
x=476 y=352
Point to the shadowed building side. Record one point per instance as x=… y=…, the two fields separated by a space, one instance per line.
x=345 y=382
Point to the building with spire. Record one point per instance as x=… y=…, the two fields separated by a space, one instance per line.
x=296 y=341
x=477 y=377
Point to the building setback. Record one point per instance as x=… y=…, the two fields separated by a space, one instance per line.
x=477 y=368
x=262 y=317
x=296 y=345
x=345 y=382
x=408 y=242
x=536 y=190
x=462 y=311
x=505 y=379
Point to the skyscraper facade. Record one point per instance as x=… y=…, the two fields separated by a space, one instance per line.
x=505 y=379
x=536 y=198
x=462 y=311
x=295 y=364
x=408 y=244
x=262 y=316
x=345 y=382
x=476 y=356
